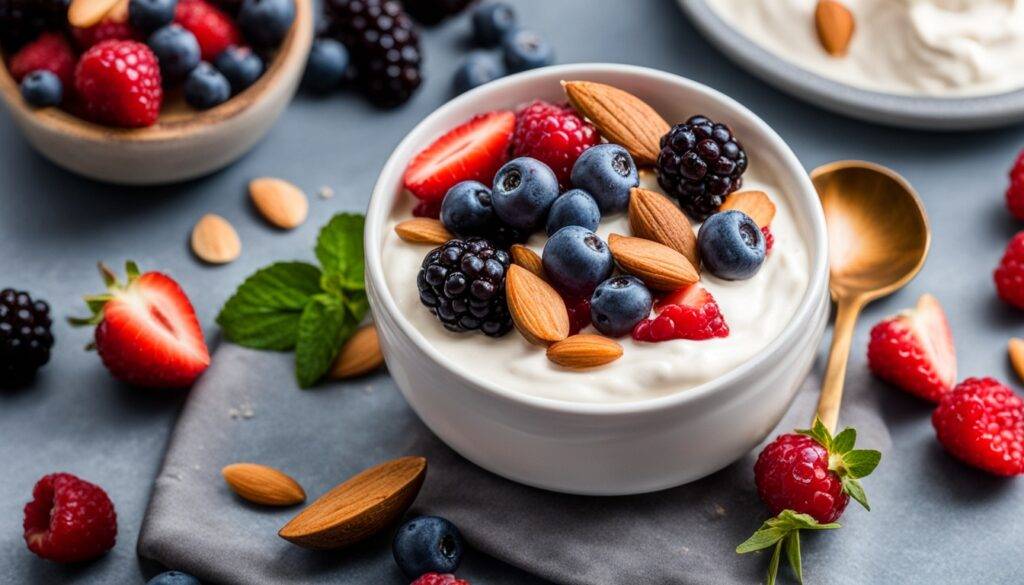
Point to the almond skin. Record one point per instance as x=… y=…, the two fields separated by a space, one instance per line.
x=279 y=202
x=756 y=204
x=584 y=351
x=264 y=485
x=85 y=13
x=215 y=241
x=620 y=117
x=537 y=309
x=653 y=217
x=659 y=266
x=360 y=355
x=1016 y=350
x=835 y=25
x=423 y=230
x=527 y=258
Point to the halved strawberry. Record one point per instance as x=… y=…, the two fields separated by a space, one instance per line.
x=473 y=151
x=687 y=313
x=914 y=350
x=147 y=333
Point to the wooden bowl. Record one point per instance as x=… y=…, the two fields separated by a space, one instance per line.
x=184 y=143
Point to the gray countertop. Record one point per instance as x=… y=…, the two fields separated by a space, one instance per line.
x=55 y=226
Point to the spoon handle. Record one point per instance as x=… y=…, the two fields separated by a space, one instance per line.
x=847 y=310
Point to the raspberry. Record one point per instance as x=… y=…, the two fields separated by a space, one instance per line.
x=25 y=337
x=69 y=519
x=555 y=135
x=914 y=350
x=689 y=313
x=700 y=163
x=107 y=30
x=981 y=422
x=213 y=28
x=119 y=84
x=439 y=579
x=1009 y=276
x=579 y=314
x=1015 y=196
x=792 y=473
x=462 y=282
x=50 y=52
x=769 y=238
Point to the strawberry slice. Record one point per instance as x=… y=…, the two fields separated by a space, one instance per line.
x=914 y=350
x=687 y=313
x=147 y=333
x=473 y=151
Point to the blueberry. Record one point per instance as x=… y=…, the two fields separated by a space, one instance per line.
x=477 y=69
x=491 y=22
x=574 y=207
x=607 y=172
x=525 y=49
x=618 y=304
x=240 y=66
x=576 y=260
x=177 y=50
x=524 y=190
x=149 y=15
x=427 y=544
x=206 y=87
x=42 y=89
x=731 y=245
x=173 y=578
x=266 y=22
x=326 y=67
x=467 y=210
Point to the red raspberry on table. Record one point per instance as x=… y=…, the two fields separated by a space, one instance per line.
x=688 y=313
x=50 y=52
x=69 y=519
x=555 y=135
x=106 y=30
x=1009 y=275
x=981 y=422
x=439 y=579
x=914 y=350
x=119 y=84
x=212 y=27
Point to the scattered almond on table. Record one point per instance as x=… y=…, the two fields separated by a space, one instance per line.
x=1016 y=350
x=281 y=203
x=215 y=240
x=264 y=485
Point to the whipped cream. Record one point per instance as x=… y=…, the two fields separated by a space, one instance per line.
x=938 y=48
x=756 y=311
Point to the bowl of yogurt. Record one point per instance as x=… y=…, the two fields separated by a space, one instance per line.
x=661 y=415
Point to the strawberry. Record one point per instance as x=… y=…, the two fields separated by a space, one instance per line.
x=50 y=52
x=473 y=151
x=981 y=422
x=212 y=27
x=914 y=350
x=147 y=333
x=687 y=313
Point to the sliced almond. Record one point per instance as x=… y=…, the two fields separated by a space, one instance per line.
x=528 y=259
x=537 y=309
x=1016 y=348
x=653 y=217
x=423 y=230
x=215 y=241
x=835 y=24
x=659 y=266
x=360 y=355
x=756 y=204
x=263 y=485
x=584 y=351
x=85 y=13
x=279 y=202
x=361 y=507
x=621 y=117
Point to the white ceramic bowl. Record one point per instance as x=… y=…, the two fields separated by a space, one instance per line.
x=603 y=449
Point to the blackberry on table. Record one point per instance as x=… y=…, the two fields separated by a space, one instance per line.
x=25 y=338
x=462 y=282
x=434 y=11
x=700 y=163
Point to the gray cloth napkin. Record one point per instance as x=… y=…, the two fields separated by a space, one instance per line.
x=248 y=408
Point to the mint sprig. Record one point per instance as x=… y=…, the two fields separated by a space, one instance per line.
x=297 y=305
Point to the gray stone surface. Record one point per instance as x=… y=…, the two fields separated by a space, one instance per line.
x=937 y=522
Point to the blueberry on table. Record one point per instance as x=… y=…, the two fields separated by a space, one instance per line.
x=148 y=15
x=576 y=260
x=206 y=87
x=265 y=23
x=173 y=578
x=607 y=172
x=240 y=65
x=574 y=207
x=525 y=49
x=618 y=304
x=42 y=89
x=731 y=245
x=477 y=69
x=326 y=66
x=491 y=22
x=177 y=51
x=467 y=210
x=524 y=189
x=427 y=544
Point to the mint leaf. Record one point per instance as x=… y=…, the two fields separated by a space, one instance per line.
x=861 y=462
x=844 y=441
x=339 y=248
x=264 y=312
x=324 y=326
x=792 y=544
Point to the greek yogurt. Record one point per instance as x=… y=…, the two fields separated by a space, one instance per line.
x=938 y=48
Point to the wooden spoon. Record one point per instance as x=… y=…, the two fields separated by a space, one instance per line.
x=878 y=239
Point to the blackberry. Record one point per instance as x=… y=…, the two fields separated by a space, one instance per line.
x=700 y=163
x=25 y=338
x=434 y=11
x=463 y=284
x=384 y=47
x=22 y=21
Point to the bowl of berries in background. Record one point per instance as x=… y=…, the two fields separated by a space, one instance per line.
x=144 y=92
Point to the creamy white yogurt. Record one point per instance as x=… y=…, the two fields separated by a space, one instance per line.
x=756 y=311
x=940 y=48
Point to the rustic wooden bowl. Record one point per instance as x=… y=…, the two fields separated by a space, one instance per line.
x=184 y=143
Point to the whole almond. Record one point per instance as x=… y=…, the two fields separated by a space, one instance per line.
x=584 y=351
x=653 y=217
x=263 y=485
x=279 y=202
x=537 y=309
x=835 y=25
x=756 y=204
x=360 y=355
x=659 y=266
x=85 y=13
x=528 y=259
x=1016 y=348
x=423 y=230
x=215 y=241
x=620 y=117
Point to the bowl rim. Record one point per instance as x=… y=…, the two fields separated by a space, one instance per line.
x=381 y=203
x=58 y=121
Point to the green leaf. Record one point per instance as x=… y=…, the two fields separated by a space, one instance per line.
x=773 y=565
x=852 y=487
x=357 y=305
x=131 y=269
x=844 y=441
x=819 y=432
x=793 y=520
x=264 y=312
x=339 y=248
x=861 y=462
x=324 y=326
x=792 y=544
x=765 y=536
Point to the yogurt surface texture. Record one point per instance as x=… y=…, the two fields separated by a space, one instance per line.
x=936 y=48
x=756 y=311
